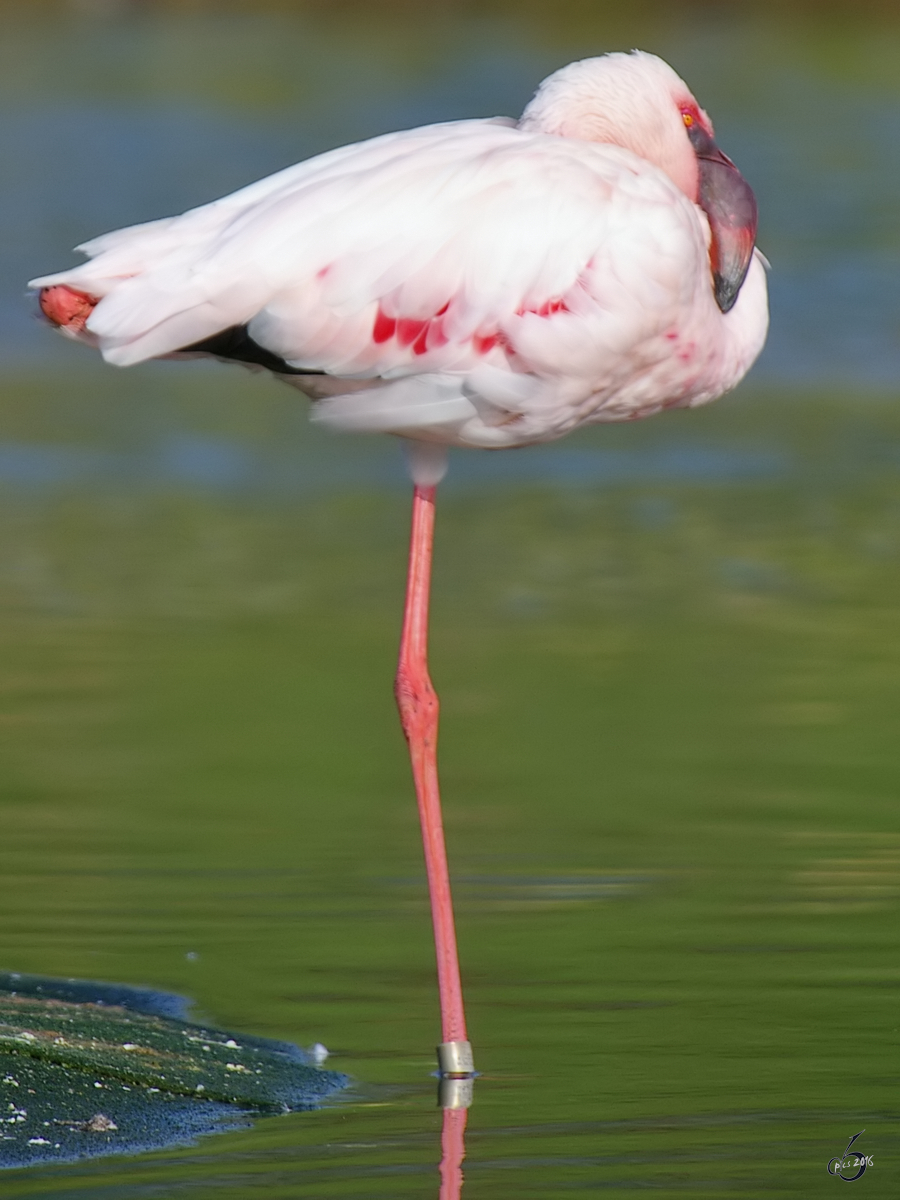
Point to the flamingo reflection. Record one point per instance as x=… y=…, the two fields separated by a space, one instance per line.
x=455 y=1096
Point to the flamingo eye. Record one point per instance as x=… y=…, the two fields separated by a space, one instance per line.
x=688 y=119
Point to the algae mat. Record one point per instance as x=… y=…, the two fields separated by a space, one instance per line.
x=89 y=1069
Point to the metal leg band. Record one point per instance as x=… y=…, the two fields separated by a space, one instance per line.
x=455 y=1059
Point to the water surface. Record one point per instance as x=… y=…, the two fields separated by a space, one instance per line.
x=668 y=654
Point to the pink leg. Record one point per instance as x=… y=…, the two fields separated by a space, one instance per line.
x=66 y=307
x=418 y=704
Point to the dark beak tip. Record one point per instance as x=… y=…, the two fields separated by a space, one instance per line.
x=730 y=206
x=726 y=292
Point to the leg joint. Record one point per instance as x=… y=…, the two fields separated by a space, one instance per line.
x=418 y=703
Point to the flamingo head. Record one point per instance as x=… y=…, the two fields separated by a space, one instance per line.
x=637 y=101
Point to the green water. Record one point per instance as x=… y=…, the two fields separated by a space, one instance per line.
x=669 y=755
x=668 y=653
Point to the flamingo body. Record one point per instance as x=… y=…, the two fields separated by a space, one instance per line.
x=484 y=283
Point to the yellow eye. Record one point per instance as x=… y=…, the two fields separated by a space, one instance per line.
x=688 y=119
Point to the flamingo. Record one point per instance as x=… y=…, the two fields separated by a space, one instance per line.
x=489 y=283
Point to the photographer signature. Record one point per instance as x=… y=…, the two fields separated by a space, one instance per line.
x=849 y=1162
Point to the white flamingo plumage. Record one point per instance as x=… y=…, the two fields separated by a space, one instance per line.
x=482 y=283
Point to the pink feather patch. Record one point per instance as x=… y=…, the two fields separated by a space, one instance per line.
x=385 y=327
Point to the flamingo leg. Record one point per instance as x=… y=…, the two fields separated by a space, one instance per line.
x=418 y=705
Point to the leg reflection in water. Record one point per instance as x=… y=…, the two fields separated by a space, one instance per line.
x=453 y=1151
x=454 y=1096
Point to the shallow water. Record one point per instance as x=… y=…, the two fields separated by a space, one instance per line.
x=670 y=770
x=668 y=656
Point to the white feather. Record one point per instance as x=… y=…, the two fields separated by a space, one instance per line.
x=562 y=280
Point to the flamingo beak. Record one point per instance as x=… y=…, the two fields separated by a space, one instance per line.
x=729 y=203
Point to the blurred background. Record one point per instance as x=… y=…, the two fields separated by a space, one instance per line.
x=667 y=653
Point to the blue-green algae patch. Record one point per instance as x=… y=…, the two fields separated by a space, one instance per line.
x=90 y=1069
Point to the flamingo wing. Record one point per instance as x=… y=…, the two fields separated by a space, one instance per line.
x=462 y=271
